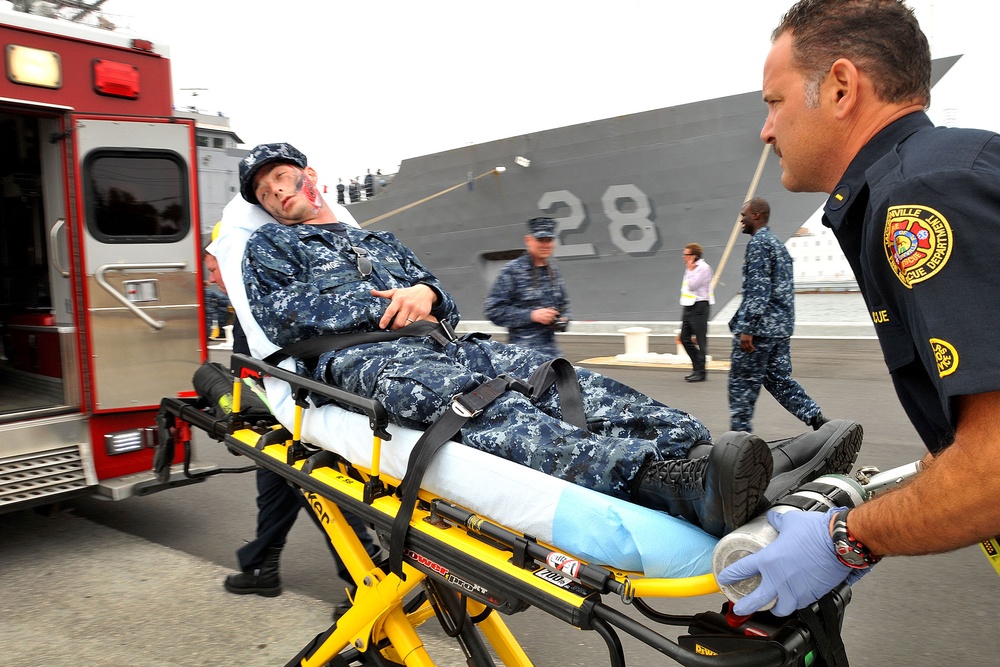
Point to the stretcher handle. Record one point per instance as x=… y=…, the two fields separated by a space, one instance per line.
x=378 y=418
x=779 y=651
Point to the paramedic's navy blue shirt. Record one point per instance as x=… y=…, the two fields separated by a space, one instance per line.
x=918 y=215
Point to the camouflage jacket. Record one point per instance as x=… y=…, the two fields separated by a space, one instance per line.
x=768 y=306
x=521 y=288
x=303 y=281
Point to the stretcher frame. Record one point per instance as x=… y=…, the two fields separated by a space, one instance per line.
x=470 y=569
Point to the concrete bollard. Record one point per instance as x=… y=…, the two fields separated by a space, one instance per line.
x=636 y=340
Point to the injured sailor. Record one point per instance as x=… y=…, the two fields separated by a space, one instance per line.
x=308 y=276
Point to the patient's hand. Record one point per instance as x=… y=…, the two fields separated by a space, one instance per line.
x=406 y=305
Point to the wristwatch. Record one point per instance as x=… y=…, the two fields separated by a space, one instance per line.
x=849 y=550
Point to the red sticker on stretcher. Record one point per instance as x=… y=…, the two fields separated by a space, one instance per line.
x=563 y=563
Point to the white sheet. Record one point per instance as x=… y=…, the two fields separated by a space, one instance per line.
x=588 y=525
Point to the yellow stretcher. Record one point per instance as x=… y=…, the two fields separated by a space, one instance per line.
x=469 y=572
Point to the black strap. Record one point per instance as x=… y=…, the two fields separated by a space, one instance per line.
x=311 y=348
x=462 y=409
x=563 y=373
x=465 y=407
x=825 y=629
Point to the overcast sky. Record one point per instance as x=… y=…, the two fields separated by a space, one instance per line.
x=359 y=85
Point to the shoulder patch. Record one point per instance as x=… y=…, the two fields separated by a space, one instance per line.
x=918 y=242
x=945 y=355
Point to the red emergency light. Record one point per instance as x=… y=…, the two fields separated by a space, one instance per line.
x=116 y=79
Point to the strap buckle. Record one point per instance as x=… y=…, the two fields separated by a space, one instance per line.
x=443 y=334
x=519 y=385
x=461 y=408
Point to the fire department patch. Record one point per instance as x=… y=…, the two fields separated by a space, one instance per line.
x=918 y=242
x=945 y=355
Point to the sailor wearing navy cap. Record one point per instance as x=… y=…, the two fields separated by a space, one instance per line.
x=264 y=154
x=529 y=295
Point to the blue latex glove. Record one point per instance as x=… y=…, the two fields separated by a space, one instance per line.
x=798 y=568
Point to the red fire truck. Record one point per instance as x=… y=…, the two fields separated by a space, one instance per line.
x=101 y=300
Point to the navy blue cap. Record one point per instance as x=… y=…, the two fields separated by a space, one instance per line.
x=542 y=228
x=264 y=154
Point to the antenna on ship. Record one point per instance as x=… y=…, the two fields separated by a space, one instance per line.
x=53 y=9
x=496 y=170
x=736 y=228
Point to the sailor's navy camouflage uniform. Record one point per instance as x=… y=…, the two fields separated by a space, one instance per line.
x=767 y=312
x=520 y=288
x=303 y=281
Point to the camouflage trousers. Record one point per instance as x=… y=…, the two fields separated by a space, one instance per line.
x=543 y=341
x=770 y=365
x=415 y=379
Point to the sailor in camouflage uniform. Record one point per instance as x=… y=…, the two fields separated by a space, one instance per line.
x=762 y=327
x=529 y=296
x=311 y=275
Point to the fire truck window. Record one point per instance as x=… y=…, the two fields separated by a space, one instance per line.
x=139 y=197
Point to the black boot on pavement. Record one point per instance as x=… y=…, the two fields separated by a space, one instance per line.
x=832 y=449
x=720 y=491
x=262 y=580
x=817 y=421
x=696 y=376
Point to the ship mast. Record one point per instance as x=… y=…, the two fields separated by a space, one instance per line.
x=64 y=9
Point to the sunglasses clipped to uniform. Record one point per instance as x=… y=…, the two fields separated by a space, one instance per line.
x=363 y=263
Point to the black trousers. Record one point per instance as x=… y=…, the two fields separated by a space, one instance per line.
x=278 y=505
x=694 y=322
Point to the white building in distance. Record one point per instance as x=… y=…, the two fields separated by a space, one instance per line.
x=820 y=265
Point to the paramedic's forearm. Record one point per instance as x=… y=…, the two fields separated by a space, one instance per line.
x=951 y=503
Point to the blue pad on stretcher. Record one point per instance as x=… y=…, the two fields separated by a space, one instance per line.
x=586 y=524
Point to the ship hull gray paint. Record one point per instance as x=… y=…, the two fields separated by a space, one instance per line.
x=629 y=193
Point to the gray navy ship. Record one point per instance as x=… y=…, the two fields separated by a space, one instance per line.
x=628 y=193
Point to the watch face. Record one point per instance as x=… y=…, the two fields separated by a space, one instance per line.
x=848 y=555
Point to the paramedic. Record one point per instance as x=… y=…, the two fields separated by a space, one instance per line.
x=278 y=505
x=916 y=209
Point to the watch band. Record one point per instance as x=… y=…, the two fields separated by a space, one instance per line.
x=850 y=551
